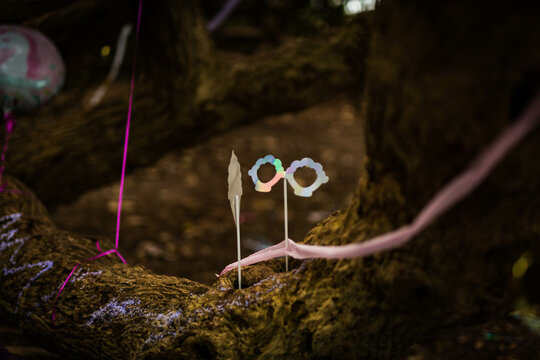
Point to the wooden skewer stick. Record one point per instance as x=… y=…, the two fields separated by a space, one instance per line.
x=286 y=215
x=237 y=209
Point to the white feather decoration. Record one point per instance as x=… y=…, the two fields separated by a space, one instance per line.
x=235 y=184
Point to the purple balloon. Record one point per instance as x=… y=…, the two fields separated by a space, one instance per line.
x=31 y=68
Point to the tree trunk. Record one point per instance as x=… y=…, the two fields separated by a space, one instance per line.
x=442 y=81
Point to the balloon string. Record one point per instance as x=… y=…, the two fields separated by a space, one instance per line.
x=10 y=123
x=115 y=250
x=128 y=123
x=457 y=189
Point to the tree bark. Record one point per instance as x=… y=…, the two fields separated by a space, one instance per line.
x=433 y=99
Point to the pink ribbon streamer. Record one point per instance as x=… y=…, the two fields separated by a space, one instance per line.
x=454 y=191
x=122 y=179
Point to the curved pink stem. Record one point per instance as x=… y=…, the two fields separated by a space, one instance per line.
x=265 y=254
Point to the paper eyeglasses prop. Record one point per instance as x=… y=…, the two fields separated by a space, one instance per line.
x=288 y=175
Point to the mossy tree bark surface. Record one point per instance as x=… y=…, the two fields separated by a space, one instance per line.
x=433 y=99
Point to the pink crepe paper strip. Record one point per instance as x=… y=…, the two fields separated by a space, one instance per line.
x=453 y=192
x=123 y=176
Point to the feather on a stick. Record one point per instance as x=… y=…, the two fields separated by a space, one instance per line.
x=235 y=184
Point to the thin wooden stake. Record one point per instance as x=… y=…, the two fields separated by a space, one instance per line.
x=286 y=215
x=237 y=208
